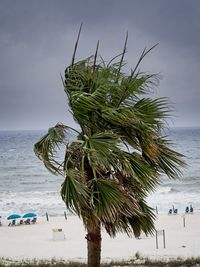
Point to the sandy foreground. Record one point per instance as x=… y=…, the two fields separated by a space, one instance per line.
x=36 y=241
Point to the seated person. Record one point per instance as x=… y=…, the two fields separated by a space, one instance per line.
x=191 y=209
x=27 y=221
x=12 y=223
x=34 y=220
x=170 y=211
x=175 y=211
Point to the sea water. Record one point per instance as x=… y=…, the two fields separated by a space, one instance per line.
x=26 y=185
x=185 y=191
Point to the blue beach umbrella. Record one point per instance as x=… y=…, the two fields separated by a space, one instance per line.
x=13 y=216
x=30 y=215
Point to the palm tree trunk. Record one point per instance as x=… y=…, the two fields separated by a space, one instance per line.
x=94 y=246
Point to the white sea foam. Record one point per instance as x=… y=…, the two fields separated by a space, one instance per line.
x=39 y=202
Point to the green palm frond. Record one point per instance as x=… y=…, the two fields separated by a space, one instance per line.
x=100 y=150
x=75 y=194
x=143 y=223
x=134 y=224
x=73 y=155
x=169 y=160
x=47 y=147
x=119 y=117
x=135 y=167
x=132 y=87
x=108 y=199
x=152 y=111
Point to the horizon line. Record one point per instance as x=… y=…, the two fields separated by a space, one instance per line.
x=44 y=129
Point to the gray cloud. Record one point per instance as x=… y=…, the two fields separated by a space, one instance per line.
x=37 y=39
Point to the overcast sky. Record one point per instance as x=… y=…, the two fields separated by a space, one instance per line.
x=37 y=39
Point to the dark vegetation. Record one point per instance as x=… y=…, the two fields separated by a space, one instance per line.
x=136 y=262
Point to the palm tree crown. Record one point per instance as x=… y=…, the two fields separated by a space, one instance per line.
x=119 y=153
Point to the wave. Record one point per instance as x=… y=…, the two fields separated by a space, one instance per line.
x=31 y=183
x=166 y=190
x=40 y=202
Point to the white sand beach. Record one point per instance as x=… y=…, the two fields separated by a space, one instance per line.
x=35 y=241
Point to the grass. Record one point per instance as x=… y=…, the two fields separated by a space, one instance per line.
x=137 y=261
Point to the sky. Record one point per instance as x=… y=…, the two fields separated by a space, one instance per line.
x=37 y=39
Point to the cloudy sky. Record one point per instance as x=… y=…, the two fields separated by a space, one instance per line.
x=37 y=39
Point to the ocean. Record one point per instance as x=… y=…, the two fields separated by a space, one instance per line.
x=26 y=185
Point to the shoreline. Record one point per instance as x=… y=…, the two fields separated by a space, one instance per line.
x=29 y=242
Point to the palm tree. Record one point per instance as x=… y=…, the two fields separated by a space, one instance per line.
x=119 y=152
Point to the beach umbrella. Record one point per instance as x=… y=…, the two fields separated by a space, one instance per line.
x=30 y=215
x=13 y=216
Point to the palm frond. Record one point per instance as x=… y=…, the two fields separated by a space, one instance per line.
x=133 y=224
x=151 y=110
x=135 y=167
x=108 y=200
x=95 y=57
x=46 y=148
x=74 y=193
x=169 y=161
x=144 y=53
x=76 y=44
x=100 y=150
x=122 y=58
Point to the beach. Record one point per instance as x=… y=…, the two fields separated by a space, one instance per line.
x=35 y=241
